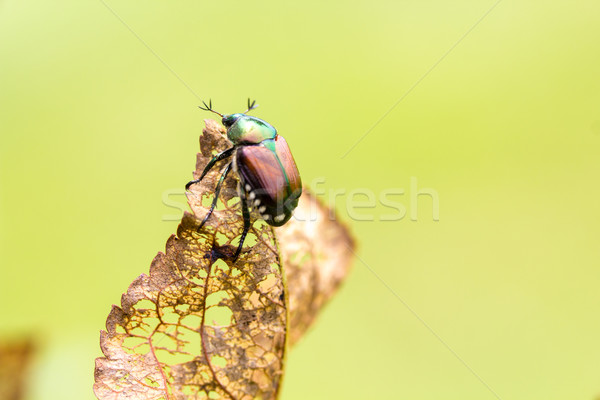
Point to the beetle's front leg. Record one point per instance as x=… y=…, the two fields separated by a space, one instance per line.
x=217 y=193
x=222 y=155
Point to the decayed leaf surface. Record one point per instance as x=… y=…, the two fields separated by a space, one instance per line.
x=200 y=325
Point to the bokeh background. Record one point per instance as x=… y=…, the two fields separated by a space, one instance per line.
x=498 y=299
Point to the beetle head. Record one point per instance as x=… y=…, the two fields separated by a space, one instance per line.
x=230 y=119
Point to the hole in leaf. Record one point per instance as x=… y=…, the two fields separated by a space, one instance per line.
x=191 y=322
x=215 y=298
x=219 y=316
x=182 y=309
x=136 y=345
x=218 y=361
x=170 y=316
x=199 y=281
x=151 y=382
x=220 y=265
x=221 y=238
x=144 y=325
x=251 y=239
x=202 y=274
x=191 y=342
x=145 y=304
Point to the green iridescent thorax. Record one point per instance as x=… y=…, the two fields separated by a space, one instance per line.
x=242 y=128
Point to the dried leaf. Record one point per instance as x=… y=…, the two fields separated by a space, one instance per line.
x=200 y=325
x=15 y=357
x=317 y=253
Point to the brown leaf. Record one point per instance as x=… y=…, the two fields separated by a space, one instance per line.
x=15 y=357
x=317 y=253
x=200 y=326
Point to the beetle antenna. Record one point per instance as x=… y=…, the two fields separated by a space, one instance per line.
x=251 y=105
x=208 y=107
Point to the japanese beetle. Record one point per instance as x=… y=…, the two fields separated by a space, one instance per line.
x=269 y=180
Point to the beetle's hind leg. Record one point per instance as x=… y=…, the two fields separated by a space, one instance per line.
x=217 y=192
x=246 y=215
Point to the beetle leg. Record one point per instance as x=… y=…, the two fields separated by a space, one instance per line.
x=217 y=192
x=222 y=155
x=246 y=215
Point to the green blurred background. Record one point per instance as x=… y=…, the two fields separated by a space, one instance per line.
x=96 y=131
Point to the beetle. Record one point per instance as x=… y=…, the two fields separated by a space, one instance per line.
x=269 y=181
